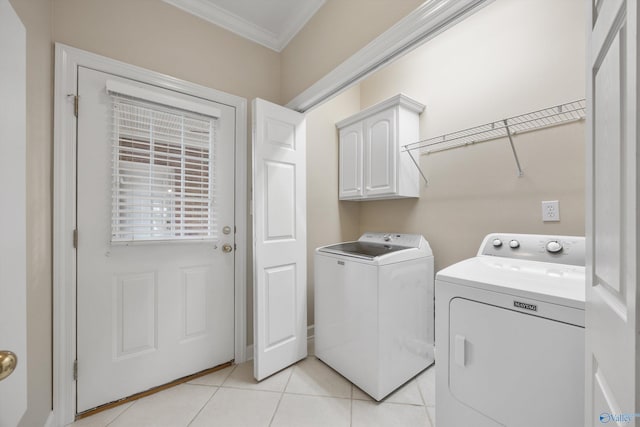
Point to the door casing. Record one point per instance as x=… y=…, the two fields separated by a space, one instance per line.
x=68 y=59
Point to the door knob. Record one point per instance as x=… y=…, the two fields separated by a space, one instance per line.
x=8 y=362
x=226 y=248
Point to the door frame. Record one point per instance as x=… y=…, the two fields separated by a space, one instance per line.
x=67 y=61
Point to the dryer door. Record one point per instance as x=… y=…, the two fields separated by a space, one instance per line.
x=518 y=369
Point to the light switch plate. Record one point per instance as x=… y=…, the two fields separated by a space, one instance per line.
x=550 y=211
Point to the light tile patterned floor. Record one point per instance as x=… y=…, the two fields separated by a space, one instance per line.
x=308 y=394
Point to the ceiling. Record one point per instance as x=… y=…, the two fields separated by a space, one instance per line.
x=271 y=23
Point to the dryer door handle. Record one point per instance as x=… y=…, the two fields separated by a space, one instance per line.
x=460 y=347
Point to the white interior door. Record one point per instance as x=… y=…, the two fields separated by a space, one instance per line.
x=152 y=311
x=612 y=215
x=13 y=252
x=279 y=236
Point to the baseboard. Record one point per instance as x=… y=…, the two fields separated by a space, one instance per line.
x=51 y=420
x=310 y=336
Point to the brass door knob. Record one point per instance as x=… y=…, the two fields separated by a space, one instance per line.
x=8 y=363
x=226 y=248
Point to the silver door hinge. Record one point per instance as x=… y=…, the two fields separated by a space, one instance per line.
x=75 y=370
x=75 y=238
x=75 y=105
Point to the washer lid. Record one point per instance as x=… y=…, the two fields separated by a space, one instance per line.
x=359 y=249
x=555 y=283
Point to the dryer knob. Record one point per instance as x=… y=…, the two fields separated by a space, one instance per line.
x=554 y=246
x=497 y=243
x=514 y=244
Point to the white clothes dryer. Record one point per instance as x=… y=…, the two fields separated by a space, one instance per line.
x=510 y=334
x=374 y=309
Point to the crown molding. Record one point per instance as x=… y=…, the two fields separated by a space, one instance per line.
x=298 y=21
x=428 y=20
x=242 y=27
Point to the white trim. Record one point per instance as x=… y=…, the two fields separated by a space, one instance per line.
x=51 y=420
x=400 y=99
x=428 y=20
x=296 y=23
x=250 y=352
x=68 y=59
x=134 y=91
x=238 y=25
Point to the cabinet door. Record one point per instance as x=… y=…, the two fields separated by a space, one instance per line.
x=351 y=161
x=380 y=153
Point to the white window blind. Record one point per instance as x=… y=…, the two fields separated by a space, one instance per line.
x=163 y=173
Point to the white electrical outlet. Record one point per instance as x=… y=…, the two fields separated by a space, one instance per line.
x=550 y=211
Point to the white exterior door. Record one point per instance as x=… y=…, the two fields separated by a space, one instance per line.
x=150 y=312
x=612 y=374
x=13 y=251
x=280 y=243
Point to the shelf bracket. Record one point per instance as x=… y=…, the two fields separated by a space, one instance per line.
x=426 y=181
x=513 y=148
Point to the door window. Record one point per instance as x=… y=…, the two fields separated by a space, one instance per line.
x=163 y=173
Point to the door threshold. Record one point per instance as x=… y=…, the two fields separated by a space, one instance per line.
x=151 y=391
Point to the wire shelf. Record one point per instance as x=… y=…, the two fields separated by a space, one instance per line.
x=564 y=113
x=506 y=128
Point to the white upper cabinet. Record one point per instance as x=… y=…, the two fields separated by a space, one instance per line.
x=372 y=165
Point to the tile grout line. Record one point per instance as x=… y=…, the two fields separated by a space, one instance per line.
x=213 y=394
x=273 y=417
x=424 y=401
x=351 y=407
x=203 y=406
x=121 y=413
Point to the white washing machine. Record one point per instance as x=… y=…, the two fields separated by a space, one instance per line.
x=374 y=309
x=510 y=334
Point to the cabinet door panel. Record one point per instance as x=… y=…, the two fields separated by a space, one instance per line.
x=351 y=162
x=380 y=154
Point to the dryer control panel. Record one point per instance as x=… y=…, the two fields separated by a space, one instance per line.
x=535 y=247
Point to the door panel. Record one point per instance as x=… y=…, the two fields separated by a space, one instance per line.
x=152 y=312
x=279 y=226
x=13 y=245
x=380 y=153
x=612 y=220
x=351 y=161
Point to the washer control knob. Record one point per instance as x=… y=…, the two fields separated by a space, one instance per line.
x=514 y=244
x=554 y=246
x=497 y=243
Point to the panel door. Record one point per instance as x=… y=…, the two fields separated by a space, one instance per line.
x=380 y=154
x=612 y=214
x=13 y=192
x=150 y=312
x=280 y=241
x=351 y=161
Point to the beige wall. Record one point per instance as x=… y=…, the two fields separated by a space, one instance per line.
x=35 y=15
x=329 y=220
x=338 y=30
x=511 y=57
x=155 y=35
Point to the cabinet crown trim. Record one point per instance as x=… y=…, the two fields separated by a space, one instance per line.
x=400 y=100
